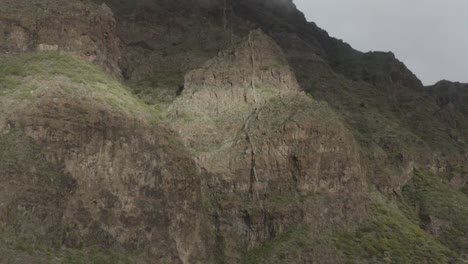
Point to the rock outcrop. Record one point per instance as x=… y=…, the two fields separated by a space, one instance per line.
x=451 y=95
x=74 y=27
x=85 y=164
x=263 y=143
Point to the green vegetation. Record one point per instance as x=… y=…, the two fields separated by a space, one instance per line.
x=286 y=246
x=27 y=76
x=25 y=247
x=50 y=64
x=90 y=255
x=464 y=189
x=389 y=237
x=441 y=209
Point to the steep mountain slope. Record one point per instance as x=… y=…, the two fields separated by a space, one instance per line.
x=273 y=154
x=374 y=91
x=83 y=164
x=246 y=134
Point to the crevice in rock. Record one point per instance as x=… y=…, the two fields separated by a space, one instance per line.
x=180 y=90
x=252 y=58
x=225 y=19
x=253 y=169
x=296 y=170
x=219 y=239
x=247 y=219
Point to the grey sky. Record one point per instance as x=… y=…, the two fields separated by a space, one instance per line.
x=429 y=36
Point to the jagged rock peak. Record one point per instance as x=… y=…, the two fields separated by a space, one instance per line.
x=249 y=68
x=229 y=87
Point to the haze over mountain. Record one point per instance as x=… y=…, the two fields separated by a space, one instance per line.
x=219 y=131
x=429 y=36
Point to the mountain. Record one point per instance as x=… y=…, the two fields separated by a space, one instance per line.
x=219 y=131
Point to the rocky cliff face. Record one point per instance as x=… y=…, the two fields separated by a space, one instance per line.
x=245 y=135
x=261 y=140
x=451 y=95
x=84 y=163
x=73 y=27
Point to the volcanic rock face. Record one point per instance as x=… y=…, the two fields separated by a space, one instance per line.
x=85 y=164
x=232 y=85
x=73 y=27
x=167 y=36
x=451 y=95
x=260 y=138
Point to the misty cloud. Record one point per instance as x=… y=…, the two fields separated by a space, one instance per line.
x=429 y=36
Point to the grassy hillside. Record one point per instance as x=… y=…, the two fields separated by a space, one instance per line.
x=29 y=76
x=440 y=209
x=390 y=237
